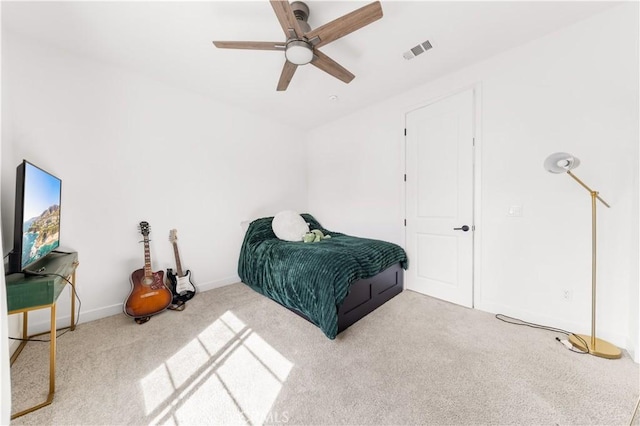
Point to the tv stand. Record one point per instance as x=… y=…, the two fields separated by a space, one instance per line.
x=29 y=292
x=62 y=251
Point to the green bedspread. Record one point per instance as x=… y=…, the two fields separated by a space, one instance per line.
x=312 y=278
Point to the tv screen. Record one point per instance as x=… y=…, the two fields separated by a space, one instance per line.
x=37 y=216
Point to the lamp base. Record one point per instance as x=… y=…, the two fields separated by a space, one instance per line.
x=602 y=348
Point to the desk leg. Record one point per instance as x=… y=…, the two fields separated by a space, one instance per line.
x=52 y=353
x=52 y=364
x=73 y=301
x=25 y=325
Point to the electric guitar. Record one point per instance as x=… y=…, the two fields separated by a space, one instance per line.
x=181 y=285
x=148 y=295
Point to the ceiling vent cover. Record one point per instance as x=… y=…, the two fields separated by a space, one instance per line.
x=417 y=50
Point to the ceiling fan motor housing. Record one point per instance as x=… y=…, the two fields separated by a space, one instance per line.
x=301 y=12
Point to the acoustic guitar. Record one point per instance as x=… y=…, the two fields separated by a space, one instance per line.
x=181 y=285
x=149 y=295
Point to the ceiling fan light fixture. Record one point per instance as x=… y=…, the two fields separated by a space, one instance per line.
x=299 y=52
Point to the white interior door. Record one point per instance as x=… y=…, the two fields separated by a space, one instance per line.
x=439 y=198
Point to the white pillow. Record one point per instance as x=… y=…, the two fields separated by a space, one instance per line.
x=289 y=226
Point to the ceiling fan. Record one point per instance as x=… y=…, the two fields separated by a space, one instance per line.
x=302 y=44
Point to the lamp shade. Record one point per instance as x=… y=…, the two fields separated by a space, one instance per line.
x=561 y=162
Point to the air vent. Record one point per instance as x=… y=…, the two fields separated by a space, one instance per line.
x=417 y=50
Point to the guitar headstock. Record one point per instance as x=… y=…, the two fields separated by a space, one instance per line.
x=173 y=235
x=144 y=228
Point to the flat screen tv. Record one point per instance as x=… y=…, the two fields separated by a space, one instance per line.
x=36 y=231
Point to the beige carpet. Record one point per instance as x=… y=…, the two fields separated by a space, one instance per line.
x=234 y=357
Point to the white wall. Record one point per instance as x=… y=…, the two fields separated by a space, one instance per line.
x=5 y=371
x=128 y=148
x=575 y=90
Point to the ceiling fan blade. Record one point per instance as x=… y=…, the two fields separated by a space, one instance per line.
x=253 y=45
x=328 y=65
x=287 y=19
x=287 y=73
x=346 y=24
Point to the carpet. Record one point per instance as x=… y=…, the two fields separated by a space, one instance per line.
x=235 y=357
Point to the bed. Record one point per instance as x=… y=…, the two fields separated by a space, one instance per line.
x=332 y=283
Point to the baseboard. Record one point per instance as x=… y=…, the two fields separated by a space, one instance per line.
x=95 y=314
x=218 y=283
x=618 y=339
x=13 y=346
x=14 y=329
x=116 y=309
x=84 y=316
x=633 y=351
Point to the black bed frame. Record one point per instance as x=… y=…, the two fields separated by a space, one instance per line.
x=366 y=295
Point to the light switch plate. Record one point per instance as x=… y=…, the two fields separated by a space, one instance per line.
x=514 y=211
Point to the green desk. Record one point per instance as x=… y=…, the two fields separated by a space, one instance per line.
x=29 y=293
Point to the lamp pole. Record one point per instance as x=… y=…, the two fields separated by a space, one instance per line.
x=597 y=347
x=594 y=194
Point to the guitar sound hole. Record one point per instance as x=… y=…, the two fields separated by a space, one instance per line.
x=147 y=281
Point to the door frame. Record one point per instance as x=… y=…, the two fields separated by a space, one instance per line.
x=477 y=181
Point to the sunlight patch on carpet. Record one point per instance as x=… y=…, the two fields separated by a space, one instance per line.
x=227 y=374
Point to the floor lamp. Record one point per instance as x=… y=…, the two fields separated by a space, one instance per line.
x=561 y=162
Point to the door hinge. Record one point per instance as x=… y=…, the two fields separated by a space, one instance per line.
x=474 y=141
x=405 y=177
x=405 y=132
x=405 y=222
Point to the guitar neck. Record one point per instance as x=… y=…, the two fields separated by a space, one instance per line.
x=177 y=254
x=147 y=259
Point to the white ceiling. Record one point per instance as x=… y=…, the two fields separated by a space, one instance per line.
x=171 y=41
